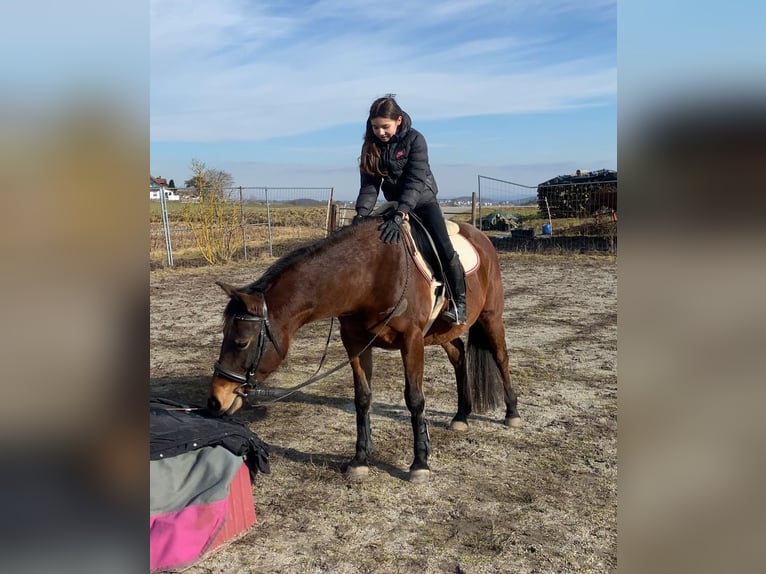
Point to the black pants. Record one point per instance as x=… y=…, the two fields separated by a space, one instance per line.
x=433 y=220
x=454 y=274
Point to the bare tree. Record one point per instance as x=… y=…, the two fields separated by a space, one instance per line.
x=214 y=220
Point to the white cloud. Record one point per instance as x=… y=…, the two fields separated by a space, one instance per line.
x=283 y=107
x=230 y=70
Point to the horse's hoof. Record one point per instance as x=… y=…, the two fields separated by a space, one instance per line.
x=458 y=426
x=357 y=473
x=419 y=476
x=513 y=423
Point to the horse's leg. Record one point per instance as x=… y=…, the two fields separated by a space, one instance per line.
x=456 y=353
x=362 y=369
x=493 y=326
x=413 y=357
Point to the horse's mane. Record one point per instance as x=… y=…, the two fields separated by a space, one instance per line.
x=300 y=254
x=234 y=307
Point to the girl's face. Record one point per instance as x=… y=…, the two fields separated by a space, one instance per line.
x=385 y=128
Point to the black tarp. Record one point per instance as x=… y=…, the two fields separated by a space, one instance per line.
x=174 y=430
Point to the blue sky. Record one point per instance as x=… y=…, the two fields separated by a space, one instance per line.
x=276 y=93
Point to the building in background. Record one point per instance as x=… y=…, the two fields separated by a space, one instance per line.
x=159 y=185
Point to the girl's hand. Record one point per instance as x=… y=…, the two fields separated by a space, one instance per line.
x=391 y=228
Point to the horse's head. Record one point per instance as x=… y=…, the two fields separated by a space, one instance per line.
x=249 y=352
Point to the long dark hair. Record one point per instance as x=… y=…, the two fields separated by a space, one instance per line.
x=369 y=162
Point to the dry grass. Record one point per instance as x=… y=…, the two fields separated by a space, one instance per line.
x=293 y=226
x=538 y=499
x=185 y=254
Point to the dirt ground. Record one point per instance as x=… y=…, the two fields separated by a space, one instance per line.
x=542 y=498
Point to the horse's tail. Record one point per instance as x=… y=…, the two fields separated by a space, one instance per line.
x=485 y=382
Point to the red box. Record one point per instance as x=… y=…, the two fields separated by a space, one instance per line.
x=240 y=515
x=241 y=512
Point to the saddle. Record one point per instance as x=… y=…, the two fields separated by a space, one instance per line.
x=424 y=255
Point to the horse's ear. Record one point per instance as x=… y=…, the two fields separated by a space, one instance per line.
x=253 y=302
x=230 y=291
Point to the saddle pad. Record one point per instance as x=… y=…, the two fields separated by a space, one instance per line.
x=468 y=255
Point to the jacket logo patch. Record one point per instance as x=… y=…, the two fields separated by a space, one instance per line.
x=399 y=154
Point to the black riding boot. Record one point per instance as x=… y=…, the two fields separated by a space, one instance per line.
x=455 y=276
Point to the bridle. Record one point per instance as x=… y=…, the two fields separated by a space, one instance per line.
x=245 y=386
x=265 y=333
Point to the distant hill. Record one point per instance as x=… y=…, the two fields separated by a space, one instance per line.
x=307 y=202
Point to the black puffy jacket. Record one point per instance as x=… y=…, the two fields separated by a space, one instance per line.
x=409 y=181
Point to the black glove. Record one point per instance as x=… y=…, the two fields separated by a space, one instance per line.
x=358 y=219
x=391 y=228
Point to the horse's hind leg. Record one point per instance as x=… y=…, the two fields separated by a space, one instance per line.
x=496 y=337
x=456 y=353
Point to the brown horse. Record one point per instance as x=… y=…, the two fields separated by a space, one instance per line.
x=381 y=300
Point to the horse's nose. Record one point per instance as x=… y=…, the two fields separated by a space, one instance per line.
x=213 y=405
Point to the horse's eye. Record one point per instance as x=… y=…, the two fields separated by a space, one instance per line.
x=242 y=343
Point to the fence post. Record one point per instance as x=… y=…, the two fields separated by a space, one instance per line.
x=479 y=186
x=166 y=225
x=334 y=218
x=331 y=214
x=242 y=222
x=473 y=208
x=268 y=221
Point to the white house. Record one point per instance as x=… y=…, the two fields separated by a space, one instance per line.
x=170 y=195
x=158 y=185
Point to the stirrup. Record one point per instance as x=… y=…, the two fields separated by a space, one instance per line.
x=453 y=314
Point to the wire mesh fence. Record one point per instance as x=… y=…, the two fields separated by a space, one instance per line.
x=255 y=222
x=577 y=212
x=280 y=218
x=582 y=195
x=500 y=196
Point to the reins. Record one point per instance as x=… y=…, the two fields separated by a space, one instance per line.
x=245 y=386
x=244 y=380
x=315 y=378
